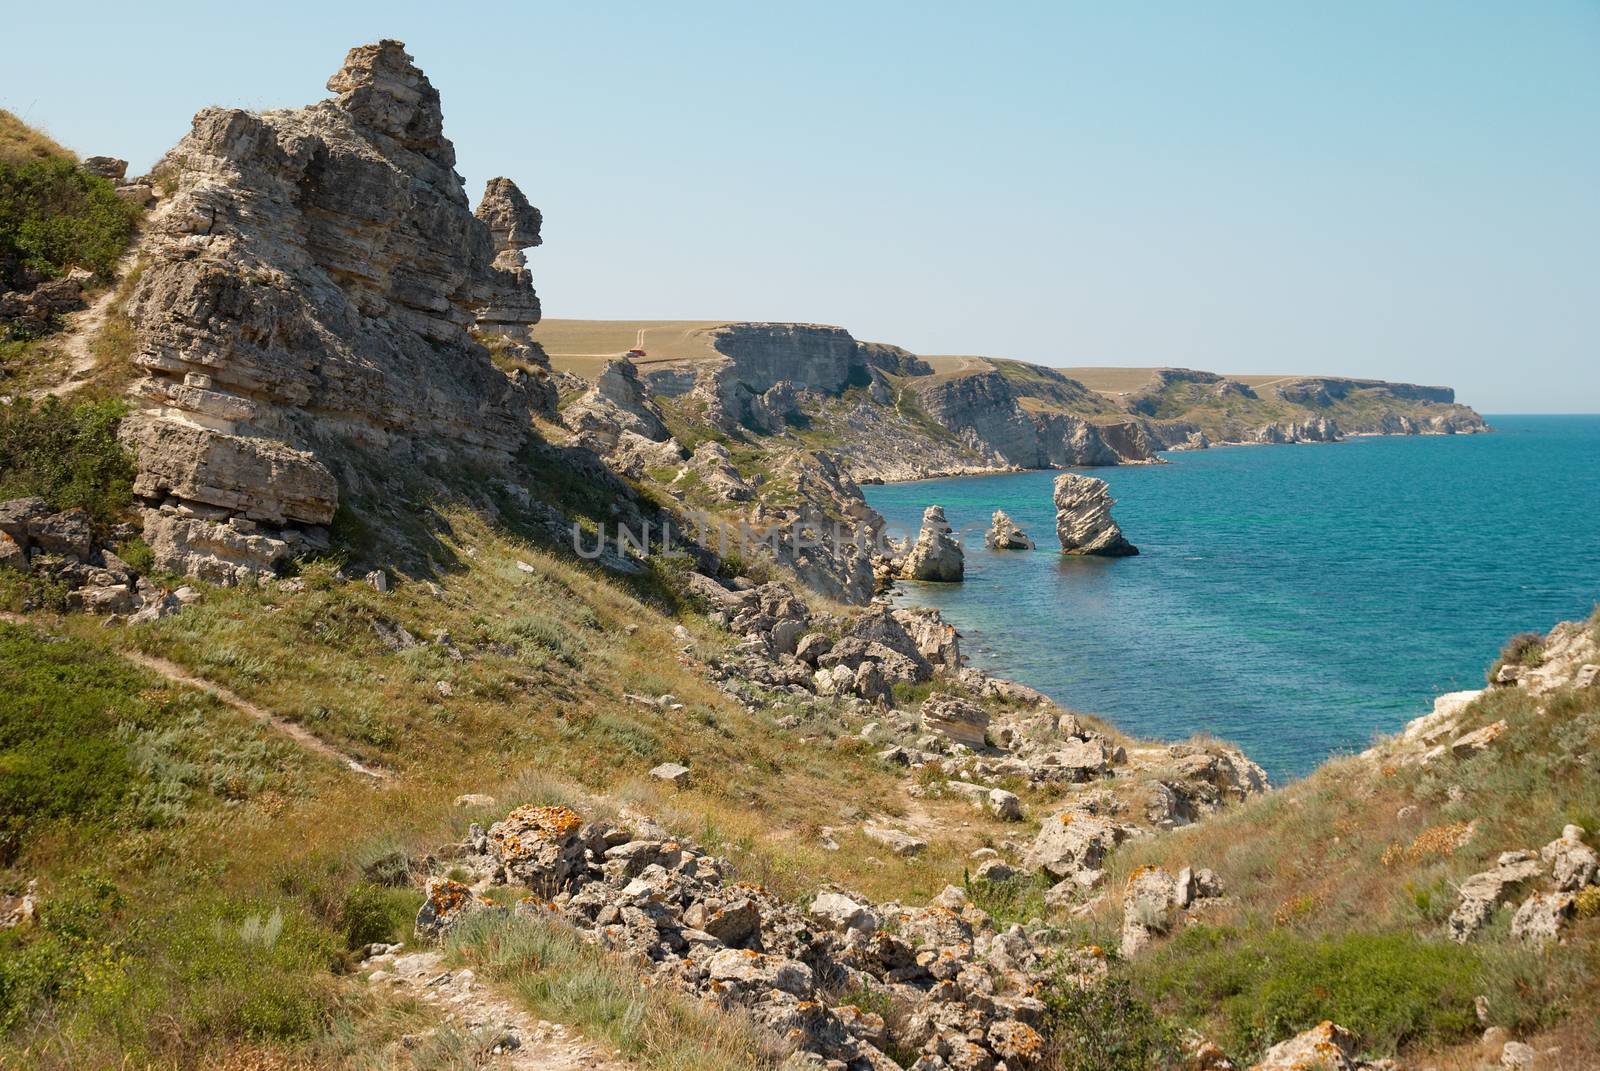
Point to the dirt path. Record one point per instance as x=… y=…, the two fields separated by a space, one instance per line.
x=506 y=1037
x=77 y=344
x=176 y=673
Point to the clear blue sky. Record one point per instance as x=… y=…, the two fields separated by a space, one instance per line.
x=1408 y=190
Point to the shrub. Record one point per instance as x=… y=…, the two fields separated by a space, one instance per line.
x=375 y=913
x=1523 y=649
x=54 y=216
x=1391 y=989
x=1106 y=1027
x=67 y=454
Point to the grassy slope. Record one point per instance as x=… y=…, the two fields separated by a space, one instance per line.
x=1340 y=884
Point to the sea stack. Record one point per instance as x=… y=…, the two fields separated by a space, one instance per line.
x=936 y=556
x=1004 y=534
x=1083 y=518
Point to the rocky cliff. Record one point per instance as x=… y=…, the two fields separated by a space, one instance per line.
x=306 y=312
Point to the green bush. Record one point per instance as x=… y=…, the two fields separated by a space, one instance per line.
x=375 y=913
x=1253 y=990
x=67 y=454
x=54 y=216
x=1106 y=1027
x=59 y=756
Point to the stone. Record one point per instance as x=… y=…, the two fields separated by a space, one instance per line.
x=18 y=515
x=673 y=774
x=106 y=167
x=842 y=912
x=1518 y=1054
x=1145 y=903
x=1070 y=845
x=140 y=194
x=1083 y=518
x=1479 y=740
x=12 y=556
x=1004 y=805
x=541 y=847
x=995 y=870
x=474 y=799
x=1003 y=534
x=1325 y=1047
x=753 y=971
x=378 y=581
x=1538 y=920
x=66 y=533
x=306 y=307
x=1482 y=892
x=21 y=910
x=1572 y=863
x=936 y=556
x=897 y=841
x=961 y=720
x=444 y=905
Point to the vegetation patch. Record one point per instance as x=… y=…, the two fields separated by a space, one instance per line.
x=67 y=453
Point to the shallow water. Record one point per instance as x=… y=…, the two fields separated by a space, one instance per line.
x=1296 y=600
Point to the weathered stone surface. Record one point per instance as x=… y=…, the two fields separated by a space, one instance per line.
x=936 y=556
x=1572 y=863
x=1071 y=845
x=959 y=719
x=1325 y=1047
x=106 y=167
x=305 y=306
x=1480 y=893
x=1003 y=534
x=1083 y=518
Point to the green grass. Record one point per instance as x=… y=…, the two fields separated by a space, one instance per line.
x=1252 y=990
x=564 y=978
x=67 y=453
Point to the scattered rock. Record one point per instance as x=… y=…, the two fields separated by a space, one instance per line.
x=897 y=841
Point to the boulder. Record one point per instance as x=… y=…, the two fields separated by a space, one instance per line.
x=1071 y=845
x=66 y=533
x=1325 y=1047
x=1481 y=893
x=1479 y=740
x=936 y=556
x=897 y=841
x=1083 y=518
x=841 y=912
x=1538 y=920
x=541 y=847
x=1003 y=534
x=1572 y=863
x=959 y=719
x=106 y=167
x=672 y=773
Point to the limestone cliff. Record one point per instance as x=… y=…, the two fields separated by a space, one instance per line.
x=310 y=290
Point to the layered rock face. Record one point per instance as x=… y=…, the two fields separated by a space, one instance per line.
x=305 y=316
x=936 y=556
x=983 y=410
x=1083 y=518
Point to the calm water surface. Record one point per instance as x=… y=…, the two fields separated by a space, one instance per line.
x=1293 y=599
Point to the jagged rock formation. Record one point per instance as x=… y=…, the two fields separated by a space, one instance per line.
x=1083 y=518
x=1003 y=534
x=935 y=556
x=304 y=317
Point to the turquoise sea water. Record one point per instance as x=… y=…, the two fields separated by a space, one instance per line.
x=1296 y=600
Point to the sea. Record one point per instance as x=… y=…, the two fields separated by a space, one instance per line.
x=1295 y=600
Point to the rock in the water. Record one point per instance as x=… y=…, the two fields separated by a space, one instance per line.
x=1004 y=534
x=936 y=556
x=1083 y=518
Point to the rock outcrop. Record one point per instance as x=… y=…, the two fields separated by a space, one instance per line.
x=1083 y=518
x=304 y=317
x=936 y=556
x=1003 y=534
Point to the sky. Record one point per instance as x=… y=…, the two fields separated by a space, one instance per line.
x=1405 y=190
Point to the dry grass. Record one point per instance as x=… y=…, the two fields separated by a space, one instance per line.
x=19 y=141
x=583 y=346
